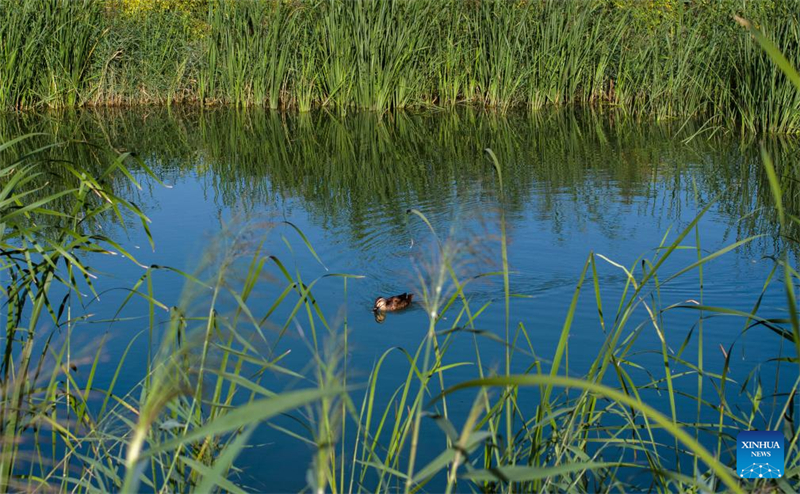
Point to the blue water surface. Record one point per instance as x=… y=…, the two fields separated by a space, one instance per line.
x=573 y=186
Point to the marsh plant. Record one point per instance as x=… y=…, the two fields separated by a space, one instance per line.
x=663 y=59
x=219 y=369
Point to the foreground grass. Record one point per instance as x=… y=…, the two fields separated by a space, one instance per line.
x=663 y=59
x=214 y=378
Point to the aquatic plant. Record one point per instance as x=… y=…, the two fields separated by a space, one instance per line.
x=220 y=369
x=654 y=59
x=59 y=429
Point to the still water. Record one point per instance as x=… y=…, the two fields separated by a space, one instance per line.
x=573 y=185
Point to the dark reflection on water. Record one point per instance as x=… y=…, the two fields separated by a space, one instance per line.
x=574 y=183
x=353 y=171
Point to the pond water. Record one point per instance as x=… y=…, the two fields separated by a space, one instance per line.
x=574 y=184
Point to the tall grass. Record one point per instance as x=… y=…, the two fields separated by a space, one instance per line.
x=48 y=52
x=220 y=366
x=61 y=431
x=673 y=60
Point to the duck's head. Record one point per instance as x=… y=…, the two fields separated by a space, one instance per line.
x=380 y=316
x=380 y=304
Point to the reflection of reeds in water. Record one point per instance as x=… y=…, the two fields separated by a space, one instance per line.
x=223 y=369
x=363 y=171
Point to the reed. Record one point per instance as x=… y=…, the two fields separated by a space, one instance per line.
x=663 y=59
x=220 y=368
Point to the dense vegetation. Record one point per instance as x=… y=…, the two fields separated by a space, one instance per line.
x=663 y=58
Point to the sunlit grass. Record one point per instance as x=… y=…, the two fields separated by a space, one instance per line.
x=688 y=60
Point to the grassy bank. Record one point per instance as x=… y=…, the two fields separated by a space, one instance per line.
x=663 y=59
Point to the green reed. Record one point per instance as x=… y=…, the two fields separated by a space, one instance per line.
x=72 y=426
x=48 y=52
x=686 y=59
x=209 y=384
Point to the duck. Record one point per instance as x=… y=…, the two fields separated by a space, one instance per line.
x=390 y=304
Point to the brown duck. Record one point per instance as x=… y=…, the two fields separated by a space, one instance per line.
x=393 y=303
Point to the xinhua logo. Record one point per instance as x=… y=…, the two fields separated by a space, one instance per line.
x=759 y=455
